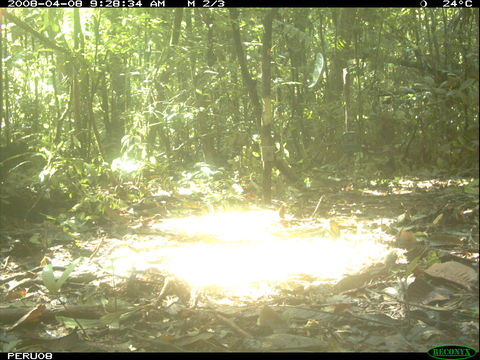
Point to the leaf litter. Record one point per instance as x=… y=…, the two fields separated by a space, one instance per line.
x=419 y=291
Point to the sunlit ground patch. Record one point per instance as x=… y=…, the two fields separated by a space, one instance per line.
x=240 y=250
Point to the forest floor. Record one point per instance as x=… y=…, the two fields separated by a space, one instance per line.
x=388 y=267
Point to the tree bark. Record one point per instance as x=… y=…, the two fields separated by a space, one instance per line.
x=266 y=129
x=250 y=84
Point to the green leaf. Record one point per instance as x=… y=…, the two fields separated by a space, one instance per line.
x=49 y=278
x=84 y=323
x=35 y=239
x=67 y=272
x=472 y=188
x=413 y=264
x=318 y=69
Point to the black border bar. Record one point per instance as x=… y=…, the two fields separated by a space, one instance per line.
x=218 y=4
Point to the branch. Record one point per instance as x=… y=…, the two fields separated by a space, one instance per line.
x=43 y=39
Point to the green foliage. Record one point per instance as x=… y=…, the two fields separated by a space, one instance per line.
x=94 y=205
x=472 y=188
x=432 y=258
x=54 y=285
x=412 y=265
x=216 y=188
x=114 y=101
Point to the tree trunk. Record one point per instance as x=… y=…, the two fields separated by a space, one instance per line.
x=250 y=84
x=266 y=130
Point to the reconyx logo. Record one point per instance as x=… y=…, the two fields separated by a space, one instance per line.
x=456 y=352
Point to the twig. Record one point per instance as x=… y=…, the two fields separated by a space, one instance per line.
x=97 y=248
x=318 y=205
x=74 y=319
x=233 y=325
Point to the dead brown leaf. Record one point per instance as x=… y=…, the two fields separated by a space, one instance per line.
x=455 y=272
x=32 y=316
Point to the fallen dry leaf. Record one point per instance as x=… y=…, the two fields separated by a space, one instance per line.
x=32 y=316
x=406 y=239
x=269 y=318
x=456 y=272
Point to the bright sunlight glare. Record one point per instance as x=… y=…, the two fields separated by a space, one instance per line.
x=239 y=250
x=125 y=165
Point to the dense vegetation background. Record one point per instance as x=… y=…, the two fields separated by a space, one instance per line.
x=347 y=138
x=100 y=107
